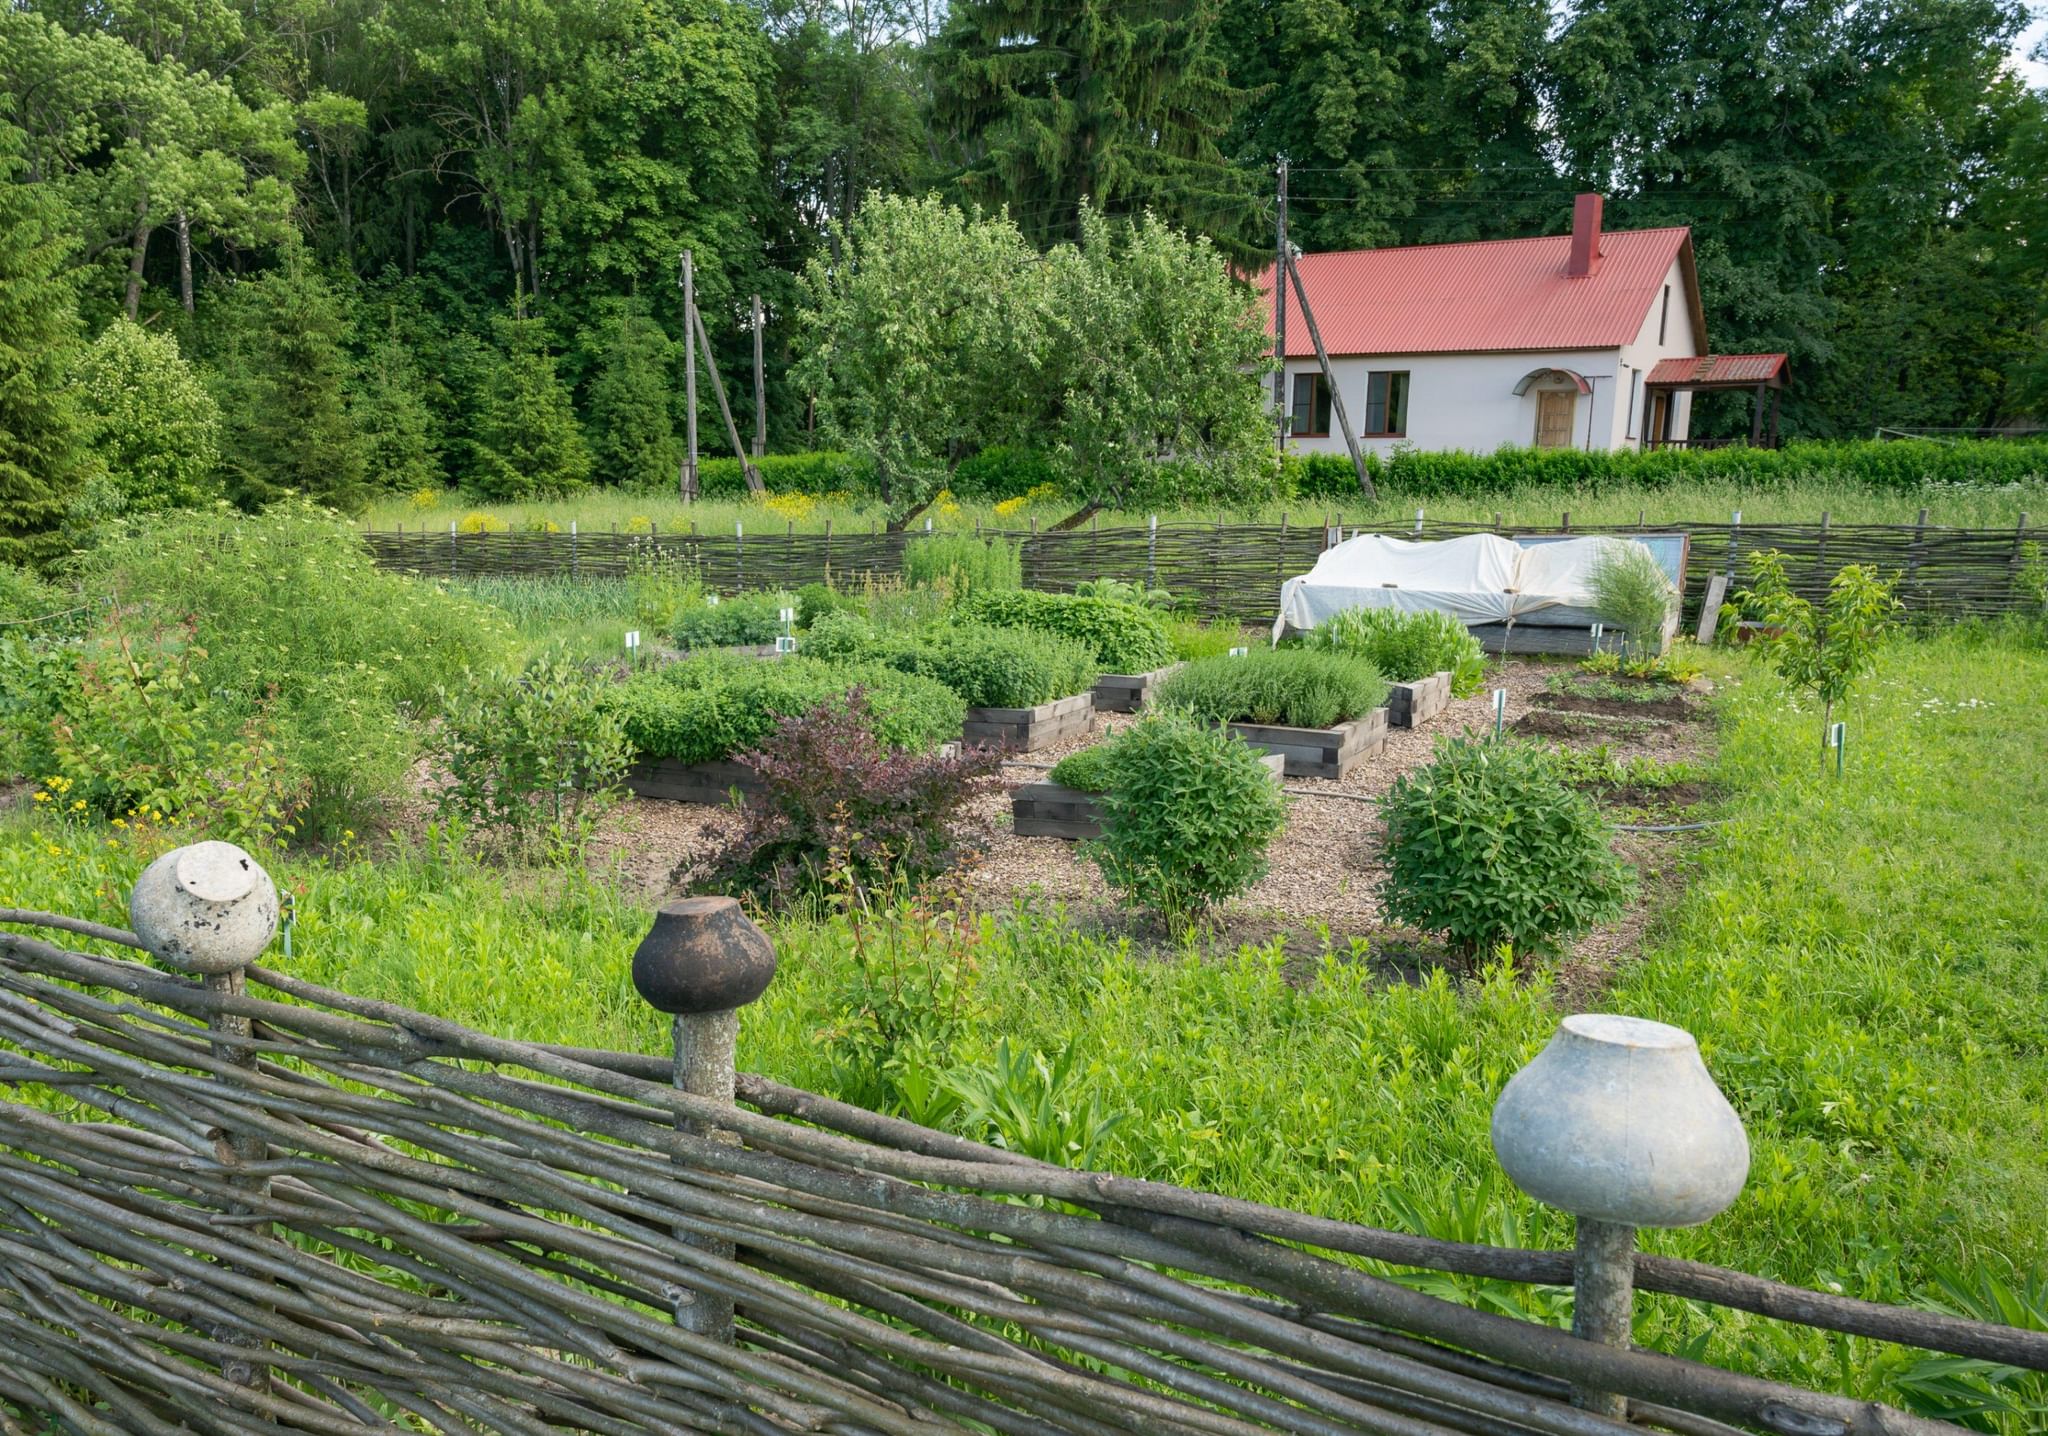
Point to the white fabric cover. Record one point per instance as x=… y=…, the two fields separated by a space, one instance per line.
x=1479 y=578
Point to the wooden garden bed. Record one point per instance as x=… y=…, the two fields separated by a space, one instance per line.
x=1410 y=705
x=1128 y=692
x=709 y=783
x=1026 y=729
x=1320 y=752
x=1052 y=810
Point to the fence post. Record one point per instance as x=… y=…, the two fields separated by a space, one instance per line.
x=1820 y=547
x=1913 y=554
x=1618 y=1122
x=1152 y=553
x=701 y=962
x=575 y=553
x=210 y=909
x=451 y=548
x=739 y=550
x=2019 y=546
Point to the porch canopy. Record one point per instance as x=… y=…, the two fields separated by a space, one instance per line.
x=1759 y=372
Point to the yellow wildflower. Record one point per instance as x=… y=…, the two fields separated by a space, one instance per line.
x=42 y=797
x=78 y=805
x=120 y=822
x=1012 y=506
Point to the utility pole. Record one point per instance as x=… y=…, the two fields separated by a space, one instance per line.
x=686 y=481
x=1284 y=419
x=760 y=388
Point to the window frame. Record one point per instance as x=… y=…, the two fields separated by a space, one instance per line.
x=1319 y=390
x=1386 y=404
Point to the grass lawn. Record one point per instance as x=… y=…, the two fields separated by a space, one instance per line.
x=1864 y=961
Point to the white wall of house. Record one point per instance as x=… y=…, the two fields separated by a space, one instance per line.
x=1468 y=401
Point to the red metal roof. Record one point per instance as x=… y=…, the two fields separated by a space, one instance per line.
x=1713 y=370
x=1499 y=294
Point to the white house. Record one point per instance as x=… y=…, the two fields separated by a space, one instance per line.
x=1586 y=340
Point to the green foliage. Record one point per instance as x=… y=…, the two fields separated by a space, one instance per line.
x=1004 y=471
x=1490 y=846
x=737 y=620
x=281 y=379
x=633 y=439
x=152 y=425
x=1043 y=1107
x=1121 y=590
x=1085 y=771
x=715 y=707
x=41 y=453
x=1631 y=592
x=528 y=442
x=1407 y=646
x=815 y=600
x=1293 y=687
x=1192 y=639
x=1123 y=637
x=395 y=428
x=963 y=564
x=296 y=622
x=533 y=758
x=996 y=667
x=1819 y=650
x=1188 y=811
x=824 y=471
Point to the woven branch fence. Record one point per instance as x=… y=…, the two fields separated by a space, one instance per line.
x=1235 y=571
x=247 y=1204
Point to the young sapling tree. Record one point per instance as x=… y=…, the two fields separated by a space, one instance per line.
x=1823 y=650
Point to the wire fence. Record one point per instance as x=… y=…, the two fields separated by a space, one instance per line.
x=248 y=1204
x=1234 y=571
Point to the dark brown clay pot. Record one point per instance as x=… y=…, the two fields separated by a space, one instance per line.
x=702 y=955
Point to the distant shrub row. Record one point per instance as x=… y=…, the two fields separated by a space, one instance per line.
x=1003 y=473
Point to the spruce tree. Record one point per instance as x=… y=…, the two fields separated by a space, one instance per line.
x=283 y=386
x=395 y=430
x=527 y=441
x=42 y=461
x=633 y=436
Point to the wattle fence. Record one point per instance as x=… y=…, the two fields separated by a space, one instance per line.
x=1235 y=570
x=243 y=1203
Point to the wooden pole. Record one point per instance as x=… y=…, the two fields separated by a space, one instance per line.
x=1315 y=336
x=687 y=480
x=760 y=388
x=1283 y=416
x=732 y=431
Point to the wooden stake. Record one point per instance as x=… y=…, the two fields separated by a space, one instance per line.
x=687 y=480
x=732 y=431
x=1315 y=337
x=760 y=388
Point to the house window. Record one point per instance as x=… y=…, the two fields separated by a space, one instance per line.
x=1386 y=403
x=1664 y=315
x=1311 y=407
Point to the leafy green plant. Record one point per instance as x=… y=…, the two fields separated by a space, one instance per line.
x=1191 y=639
x=1819 y=650
x=1297 y=687
x=996 y=667
x=1489 y=845
x=1120 y=590
x=1972 y=1392
x=1040 y=1106
x=1086 y=771
x=962 y=564
x=1406 y=646
x=1631 y=592
x=533 y=756
x=1188 y=812
x=1123 y=637
x=815 y=600
x=741 y=620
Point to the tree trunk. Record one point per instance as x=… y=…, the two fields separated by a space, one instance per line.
x=1827 y=721
x=899 y=524
x=185 y=261
x=1075 y=519
x=138 y=254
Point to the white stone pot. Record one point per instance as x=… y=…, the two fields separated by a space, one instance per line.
x=206 y=908
x=1617 y=1119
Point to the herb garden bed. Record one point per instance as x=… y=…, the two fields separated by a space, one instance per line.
x=711 y=783
x=1052 y=810
x=1129 y=692
x=1320 y=752
x=1410 y=705
x=1028 y=729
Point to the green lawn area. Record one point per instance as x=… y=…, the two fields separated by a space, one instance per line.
x=1864 y=961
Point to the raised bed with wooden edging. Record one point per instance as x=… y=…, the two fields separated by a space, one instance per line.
x=1025 y=729
x=710 y=783
x=1410 y=705
x=1320 y=752
x=1128 y=692
x=1053 y=810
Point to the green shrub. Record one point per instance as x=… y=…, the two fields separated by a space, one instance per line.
x=1191 y=639
x=1085 y=772
x=1188 y=811
x=1294 y=687
x=533 y=756
x=1003 y=471
x=1407 y=646
x=715 y=706
x=1490 y=845
x=743 y=619
x=821 y=472
x=1124 y=637
x=843 y=637
x=1631 y=592
x=995 y=667
x=815 y=600
x=962 y=563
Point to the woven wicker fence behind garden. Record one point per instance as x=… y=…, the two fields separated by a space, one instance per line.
x=281 y=1208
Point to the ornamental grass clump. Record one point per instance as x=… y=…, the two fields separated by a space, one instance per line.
x=1492 y=847
x=1292 y=687
x=1631 y=592
x=1406 y=647
x=1188 y=811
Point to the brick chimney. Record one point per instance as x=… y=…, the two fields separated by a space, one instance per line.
x=1585 y=258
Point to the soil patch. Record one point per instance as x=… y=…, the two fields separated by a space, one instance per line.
x=1582 y=727
x=1669 y=708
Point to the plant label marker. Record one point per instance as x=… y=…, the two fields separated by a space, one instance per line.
x=1240 y=652
x=1838 y=739
x=711 y=599
x=927 y=525
x=788 y=615
x=1418 y=523
x=785 y=644
x=1500 y=710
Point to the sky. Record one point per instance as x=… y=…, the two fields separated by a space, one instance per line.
x=2035 y=72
